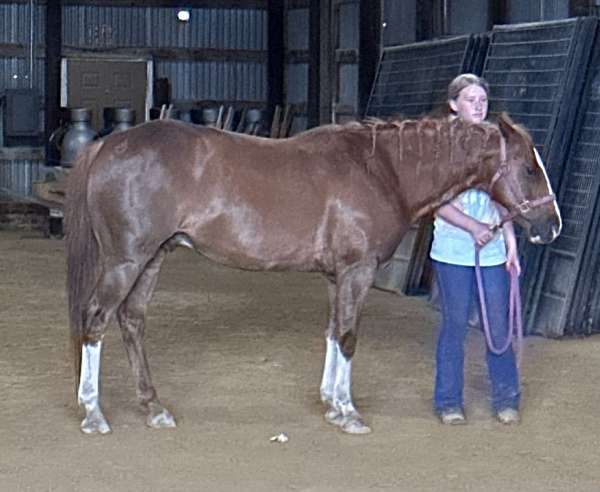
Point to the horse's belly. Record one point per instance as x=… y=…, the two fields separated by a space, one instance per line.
x=256 y=248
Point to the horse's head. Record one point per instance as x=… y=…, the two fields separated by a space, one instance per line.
x=520 y=184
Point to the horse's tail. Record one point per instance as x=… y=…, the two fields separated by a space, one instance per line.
x=81 y=249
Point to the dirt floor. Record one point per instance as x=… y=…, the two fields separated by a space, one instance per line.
x=237 y=358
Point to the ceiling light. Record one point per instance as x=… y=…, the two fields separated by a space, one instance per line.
x=183 y=15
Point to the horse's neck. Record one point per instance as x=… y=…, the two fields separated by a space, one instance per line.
x=437 y=160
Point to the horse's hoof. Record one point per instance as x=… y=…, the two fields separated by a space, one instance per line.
x=162 y=420
x=333 y=416
x=95 y=424
x=355 y=426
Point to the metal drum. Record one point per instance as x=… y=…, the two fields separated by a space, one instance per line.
x=123 y=118
x=210 y=116
x=79 y=134
x=254 y=118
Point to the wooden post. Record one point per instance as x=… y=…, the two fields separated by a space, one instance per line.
x=369 y=49
x=327 y=61
x=314 y=62
x=53 y=53
x=276 y=54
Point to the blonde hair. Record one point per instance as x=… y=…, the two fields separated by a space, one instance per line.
x=465 y=80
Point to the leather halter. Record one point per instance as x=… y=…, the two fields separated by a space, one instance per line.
x=524 y=205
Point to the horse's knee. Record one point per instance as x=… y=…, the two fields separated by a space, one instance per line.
x=347 y=343
x=95 y=321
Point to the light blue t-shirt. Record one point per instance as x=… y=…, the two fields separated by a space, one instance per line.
x=456 y=246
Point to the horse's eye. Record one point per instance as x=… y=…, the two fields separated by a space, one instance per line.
x=530 y=171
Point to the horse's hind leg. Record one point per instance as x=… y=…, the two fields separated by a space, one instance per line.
x=132 y=320
x=353 y=283
x=112 y=287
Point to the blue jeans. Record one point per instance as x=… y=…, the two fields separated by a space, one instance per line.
x=457 y=290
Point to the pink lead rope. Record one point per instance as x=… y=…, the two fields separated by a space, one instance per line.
x=515 y=325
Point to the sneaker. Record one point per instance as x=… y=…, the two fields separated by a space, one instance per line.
x=453 y=417
x=508 y=416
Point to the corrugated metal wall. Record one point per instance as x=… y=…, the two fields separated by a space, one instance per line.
x=214 y=80
x=157 y=27
x=17 y=174
x=219 y=55
x=14 y=23
x=223 y=78
x=14 y=30
x=296 y=62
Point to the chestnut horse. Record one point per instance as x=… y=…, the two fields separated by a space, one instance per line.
x=335 y=200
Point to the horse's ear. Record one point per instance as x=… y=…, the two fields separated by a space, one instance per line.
x=506 y=125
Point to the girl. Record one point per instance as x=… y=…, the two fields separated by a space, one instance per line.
x=458 y=227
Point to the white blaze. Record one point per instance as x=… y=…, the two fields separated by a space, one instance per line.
x=540 y=163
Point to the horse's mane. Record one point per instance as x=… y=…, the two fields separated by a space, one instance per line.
x=449 y=145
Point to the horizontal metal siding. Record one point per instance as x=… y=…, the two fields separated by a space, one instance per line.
x=153 y=27
x=17 y=176
x=221 y=81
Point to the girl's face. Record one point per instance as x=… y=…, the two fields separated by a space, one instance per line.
x=471 y=104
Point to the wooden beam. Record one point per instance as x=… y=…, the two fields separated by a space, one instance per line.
x=499 y=12
x=53 y=56
x=276 y=53
x=327 y=63
x=223 y=4
x=196 y=54
x=9 y=50
x=369 y=49
x=314 y=64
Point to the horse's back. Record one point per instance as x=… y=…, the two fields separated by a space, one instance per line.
x=246 y=201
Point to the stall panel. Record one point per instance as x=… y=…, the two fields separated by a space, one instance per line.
x=536 y=73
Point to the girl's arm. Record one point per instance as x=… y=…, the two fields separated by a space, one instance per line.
x=481 y=232
x=510 y=239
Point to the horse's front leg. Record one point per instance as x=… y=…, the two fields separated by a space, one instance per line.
x=88 y=394
x=353 y=283
x=331 y=353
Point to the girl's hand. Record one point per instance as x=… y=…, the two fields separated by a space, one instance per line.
x=512 y=260
x=482 y=234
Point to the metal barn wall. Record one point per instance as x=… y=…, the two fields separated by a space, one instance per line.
x=15 y=54
x=468 y=16
x=231 y=65
x=17 y=175
x=297 y=27
x=220 y=55
x=536 y=10
x=346 y=43
x=19 y=169
x=399 y=22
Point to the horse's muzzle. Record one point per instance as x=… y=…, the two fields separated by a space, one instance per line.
x=545 y=233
